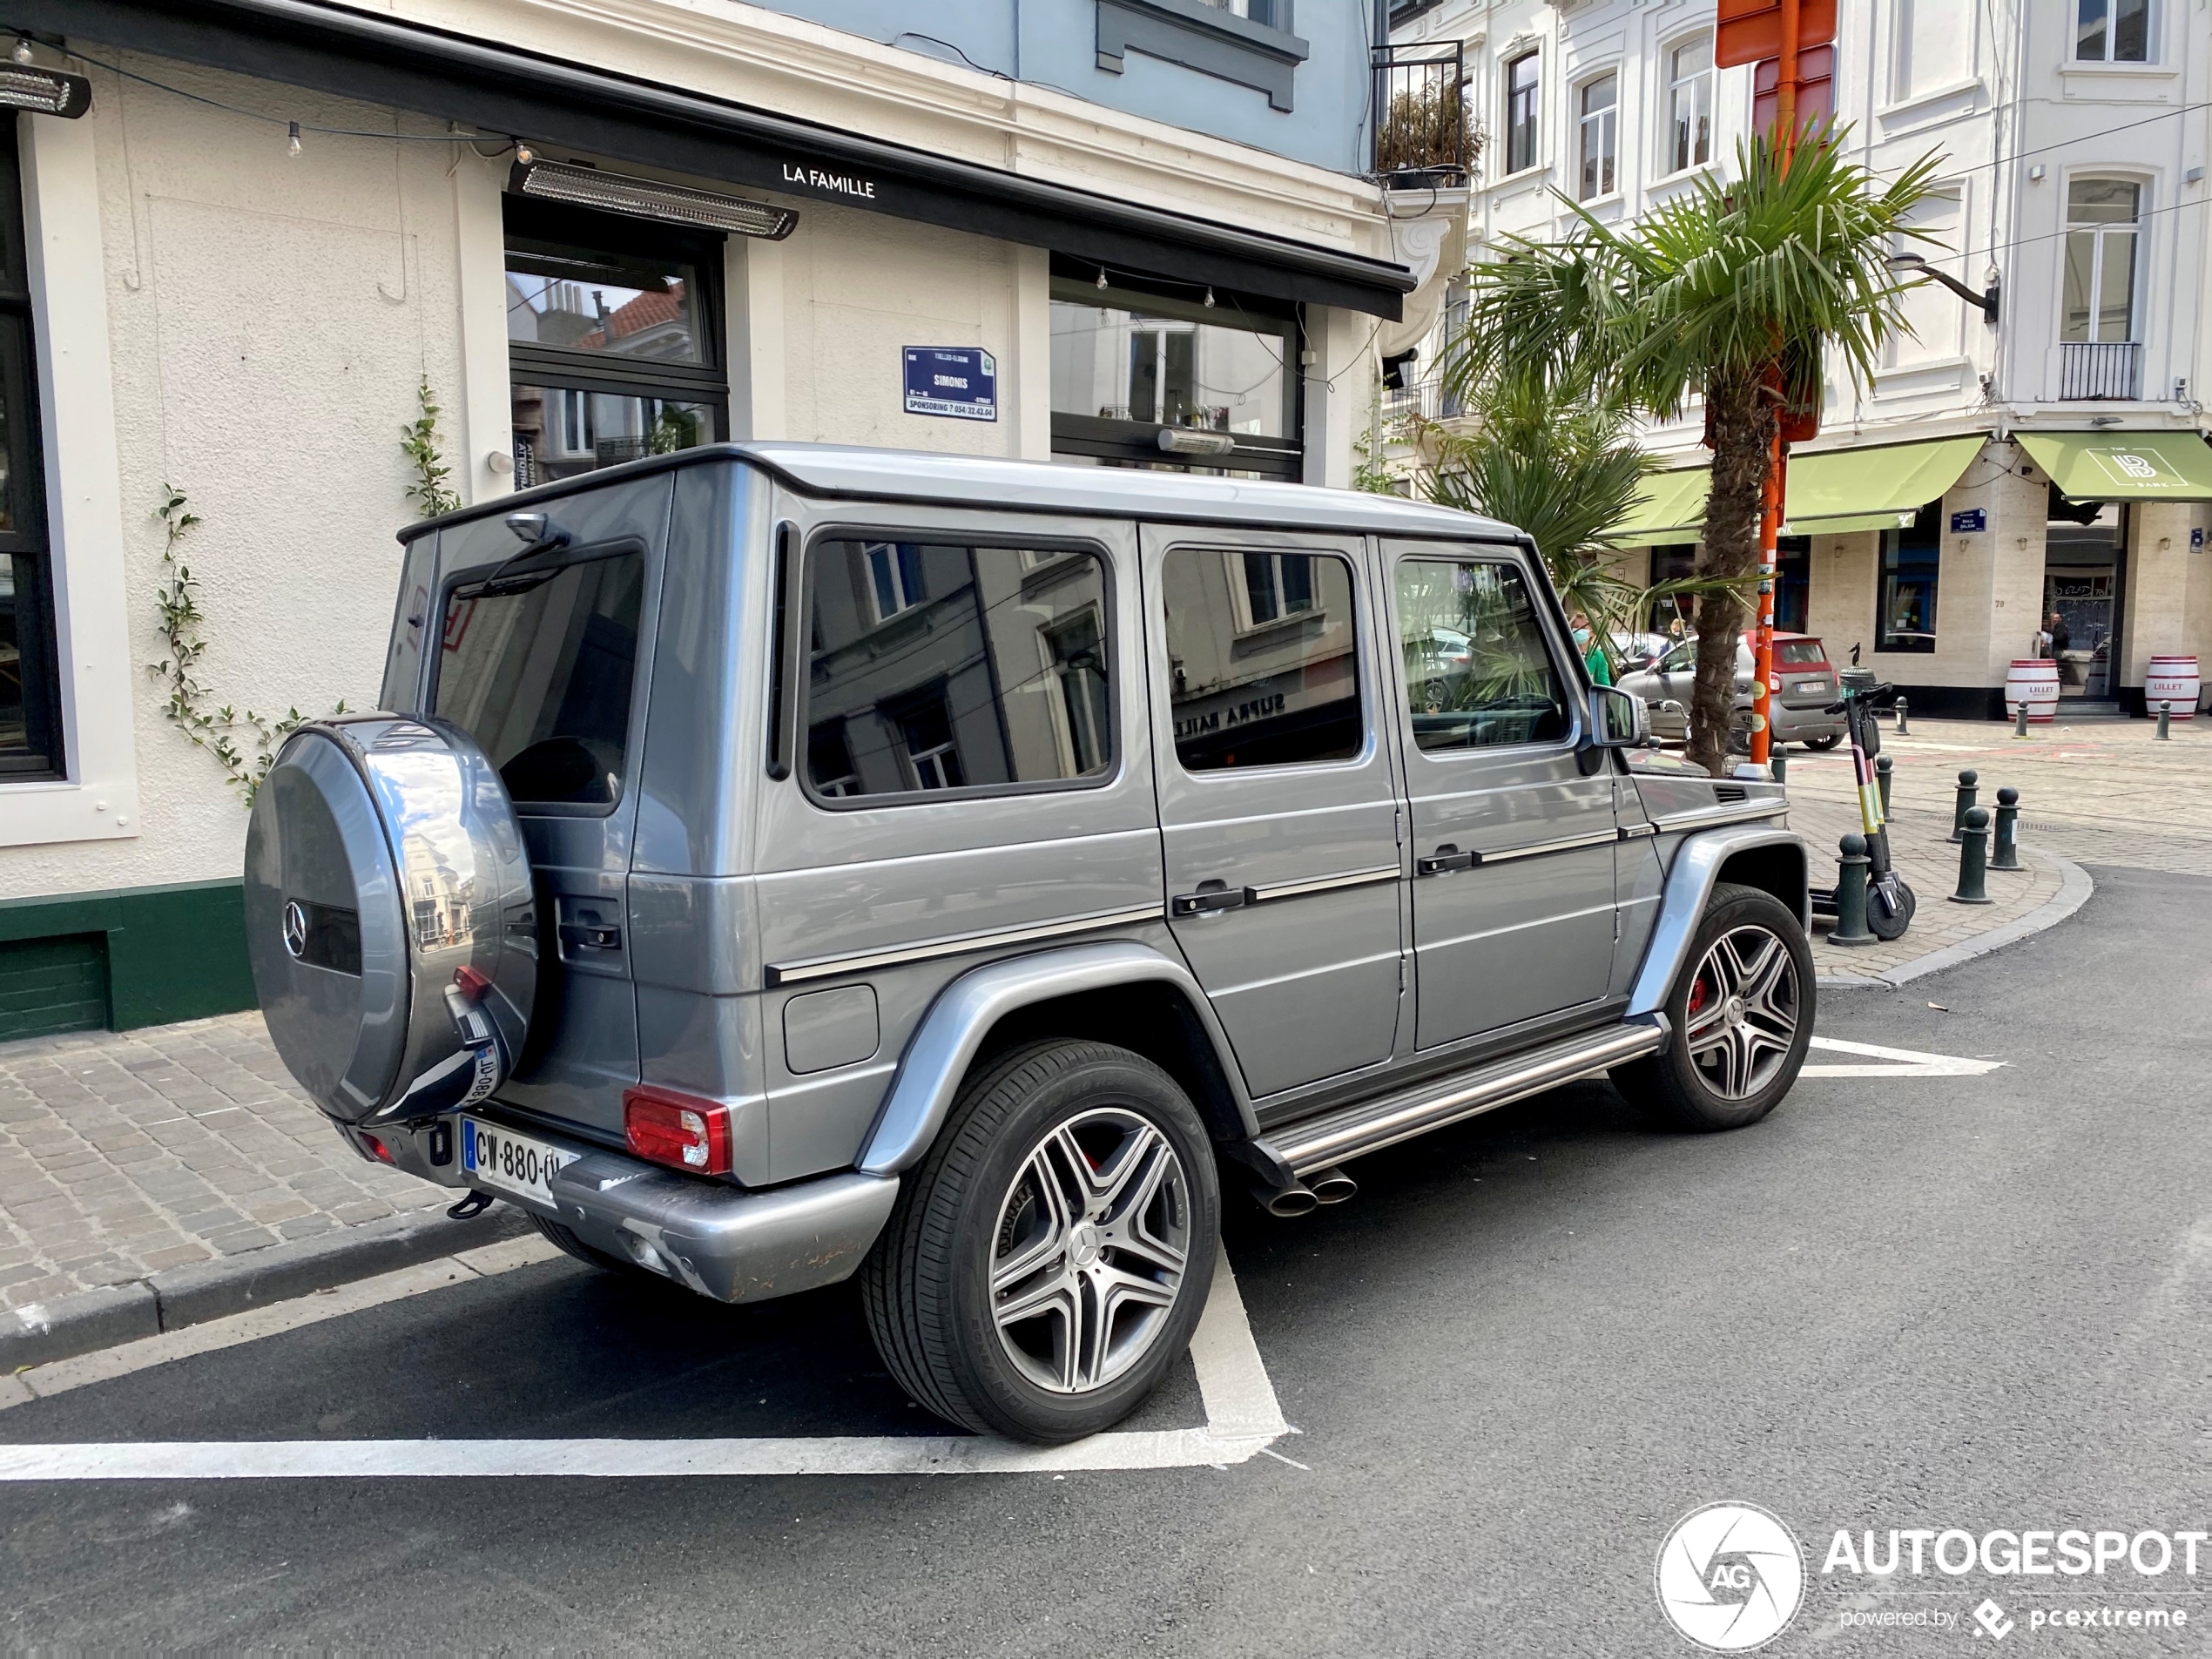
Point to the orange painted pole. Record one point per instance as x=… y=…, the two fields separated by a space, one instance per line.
x=1763 y=676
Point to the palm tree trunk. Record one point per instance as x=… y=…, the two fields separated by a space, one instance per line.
x=1744 y=416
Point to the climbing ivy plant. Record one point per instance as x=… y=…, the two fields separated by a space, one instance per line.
x=243 y=741
x=430 y=492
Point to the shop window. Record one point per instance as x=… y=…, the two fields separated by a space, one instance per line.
x=1601 y=136
x=2102 y=218
x=1792 y=582
x=998 y=674
x=1524 y=85
x=1289 y=696
x=1478 y=672
x=1130 y=363
x=30 y=724
x=2112 y=31
x=1690 y=104
x=614 y=339
x=1905 y=615
x=1676 y=562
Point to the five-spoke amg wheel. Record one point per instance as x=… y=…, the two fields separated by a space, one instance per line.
x=1740 y=1014
x=1048 y=1261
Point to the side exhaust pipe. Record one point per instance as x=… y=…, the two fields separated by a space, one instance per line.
x=1331 y=1185
x=1294 y=1199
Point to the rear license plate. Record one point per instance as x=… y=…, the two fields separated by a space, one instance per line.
x=499 y=1157
x=1810 y=688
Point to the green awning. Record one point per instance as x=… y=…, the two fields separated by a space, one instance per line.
x=1845 y=523
x=2117 y=466
x=1672 y=508
x=1872 y=489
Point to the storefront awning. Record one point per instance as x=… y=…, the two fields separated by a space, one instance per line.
x=1672 y=508
x=2115 y=466
x=1881 y=488
x=568 y=106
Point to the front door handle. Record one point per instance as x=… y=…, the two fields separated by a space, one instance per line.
x=1210 y=896
x=1447 y=858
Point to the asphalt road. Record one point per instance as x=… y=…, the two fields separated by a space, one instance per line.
x=1527 y=1348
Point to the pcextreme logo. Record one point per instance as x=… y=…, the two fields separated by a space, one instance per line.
x=1730 y=1576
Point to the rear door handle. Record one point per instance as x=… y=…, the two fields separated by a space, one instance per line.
x=1210 y=896
x=1447 y=858
x=591 y=936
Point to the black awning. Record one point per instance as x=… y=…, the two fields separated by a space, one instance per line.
x=562 y=106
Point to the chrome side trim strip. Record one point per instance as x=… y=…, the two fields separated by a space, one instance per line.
x=1372 y=1125
x=957 y=945
x=1603 y=838
x=1709 y=817
x=1635 y=832
x=1325 y=884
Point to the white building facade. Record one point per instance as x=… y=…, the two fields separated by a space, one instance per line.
x=591 y=229
x=2047 y=456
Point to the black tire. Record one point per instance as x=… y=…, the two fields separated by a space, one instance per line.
x=927 y=1285
x=1825 y=744
x=574 y=1246
x=1686 y=1089
x=1886 y=924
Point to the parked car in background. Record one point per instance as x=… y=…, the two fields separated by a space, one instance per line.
x=1808 y=689
x=1636 y=651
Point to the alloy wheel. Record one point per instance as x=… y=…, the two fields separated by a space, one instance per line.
x=1089 y=1251
x=1742 y=1020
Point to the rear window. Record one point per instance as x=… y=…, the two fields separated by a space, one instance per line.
x=538 y=669
x=1800 y=653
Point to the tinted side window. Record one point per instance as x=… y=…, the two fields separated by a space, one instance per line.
x=937 y=665
x=539 y=669
x=1264 y=656
x=1477 y=674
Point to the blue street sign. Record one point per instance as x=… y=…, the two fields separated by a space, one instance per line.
x=1970 y=522
x=2196 y=539
x=960 y=381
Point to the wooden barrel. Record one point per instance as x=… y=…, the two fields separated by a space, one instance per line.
x=2033 y=680
x=2172 y=679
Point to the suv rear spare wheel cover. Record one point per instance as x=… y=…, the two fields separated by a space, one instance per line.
x=389 y=918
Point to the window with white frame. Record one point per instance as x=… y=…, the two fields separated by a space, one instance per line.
x=1933 y=46
x=1276 y=586
x=1523 y=81
x=1601 y=112
x=1690 y=104
x=2103 y=225
x=2112 y=31
x=894 y=577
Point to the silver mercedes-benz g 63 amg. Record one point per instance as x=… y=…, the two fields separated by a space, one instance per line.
x=773 y=863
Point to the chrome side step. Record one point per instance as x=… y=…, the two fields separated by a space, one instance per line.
x=1372 y=1125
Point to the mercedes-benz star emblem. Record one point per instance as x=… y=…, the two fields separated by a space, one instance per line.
x=295 y=927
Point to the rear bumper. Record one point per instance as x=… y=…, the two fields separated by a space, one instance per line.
x=722 y=1241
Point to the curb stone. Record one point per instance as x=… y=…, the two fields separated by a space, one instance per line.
x=39 y=1332
x=2075 y=888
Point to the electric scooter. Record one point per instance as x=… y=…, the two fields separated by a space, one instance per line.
x=1890 y=903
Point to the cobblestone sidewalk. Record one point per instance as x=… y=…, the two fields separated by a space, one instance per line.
x=124 y=1154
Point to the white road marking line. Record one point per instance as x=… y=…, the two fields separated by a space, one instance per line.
x=1907 y=1062
x=1242 y=1418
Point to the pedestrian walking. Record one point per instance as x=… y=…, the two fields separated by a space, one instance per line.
x=1593 y=657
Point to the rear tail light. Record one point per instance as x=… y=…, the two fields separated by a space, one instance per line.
x=377 y=1150
x=683 y=1131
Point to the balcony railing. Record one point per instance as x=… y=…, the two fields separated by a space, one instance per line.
x=1422 y=133
x=1429 y=399
x=2101 y=369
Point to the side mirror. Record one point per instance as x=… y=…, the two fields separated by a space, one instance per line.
x=1618 y=720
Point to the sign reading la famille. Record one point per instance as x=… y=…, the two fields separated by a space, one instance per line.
x=961 y=382
x=838 y=184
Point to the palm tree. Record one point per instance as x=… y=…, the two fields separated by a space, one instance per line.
x=1734 y=291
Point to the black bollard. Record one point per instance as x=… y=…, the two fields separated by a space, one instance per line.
x=2020 y=720
x=1778 y=764
x=1973 y=858
x=2005 y=854
x=1883 y=766
x=2165 y=722
x=1963 y=804
x=1851 y=894
x=1903 y=730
